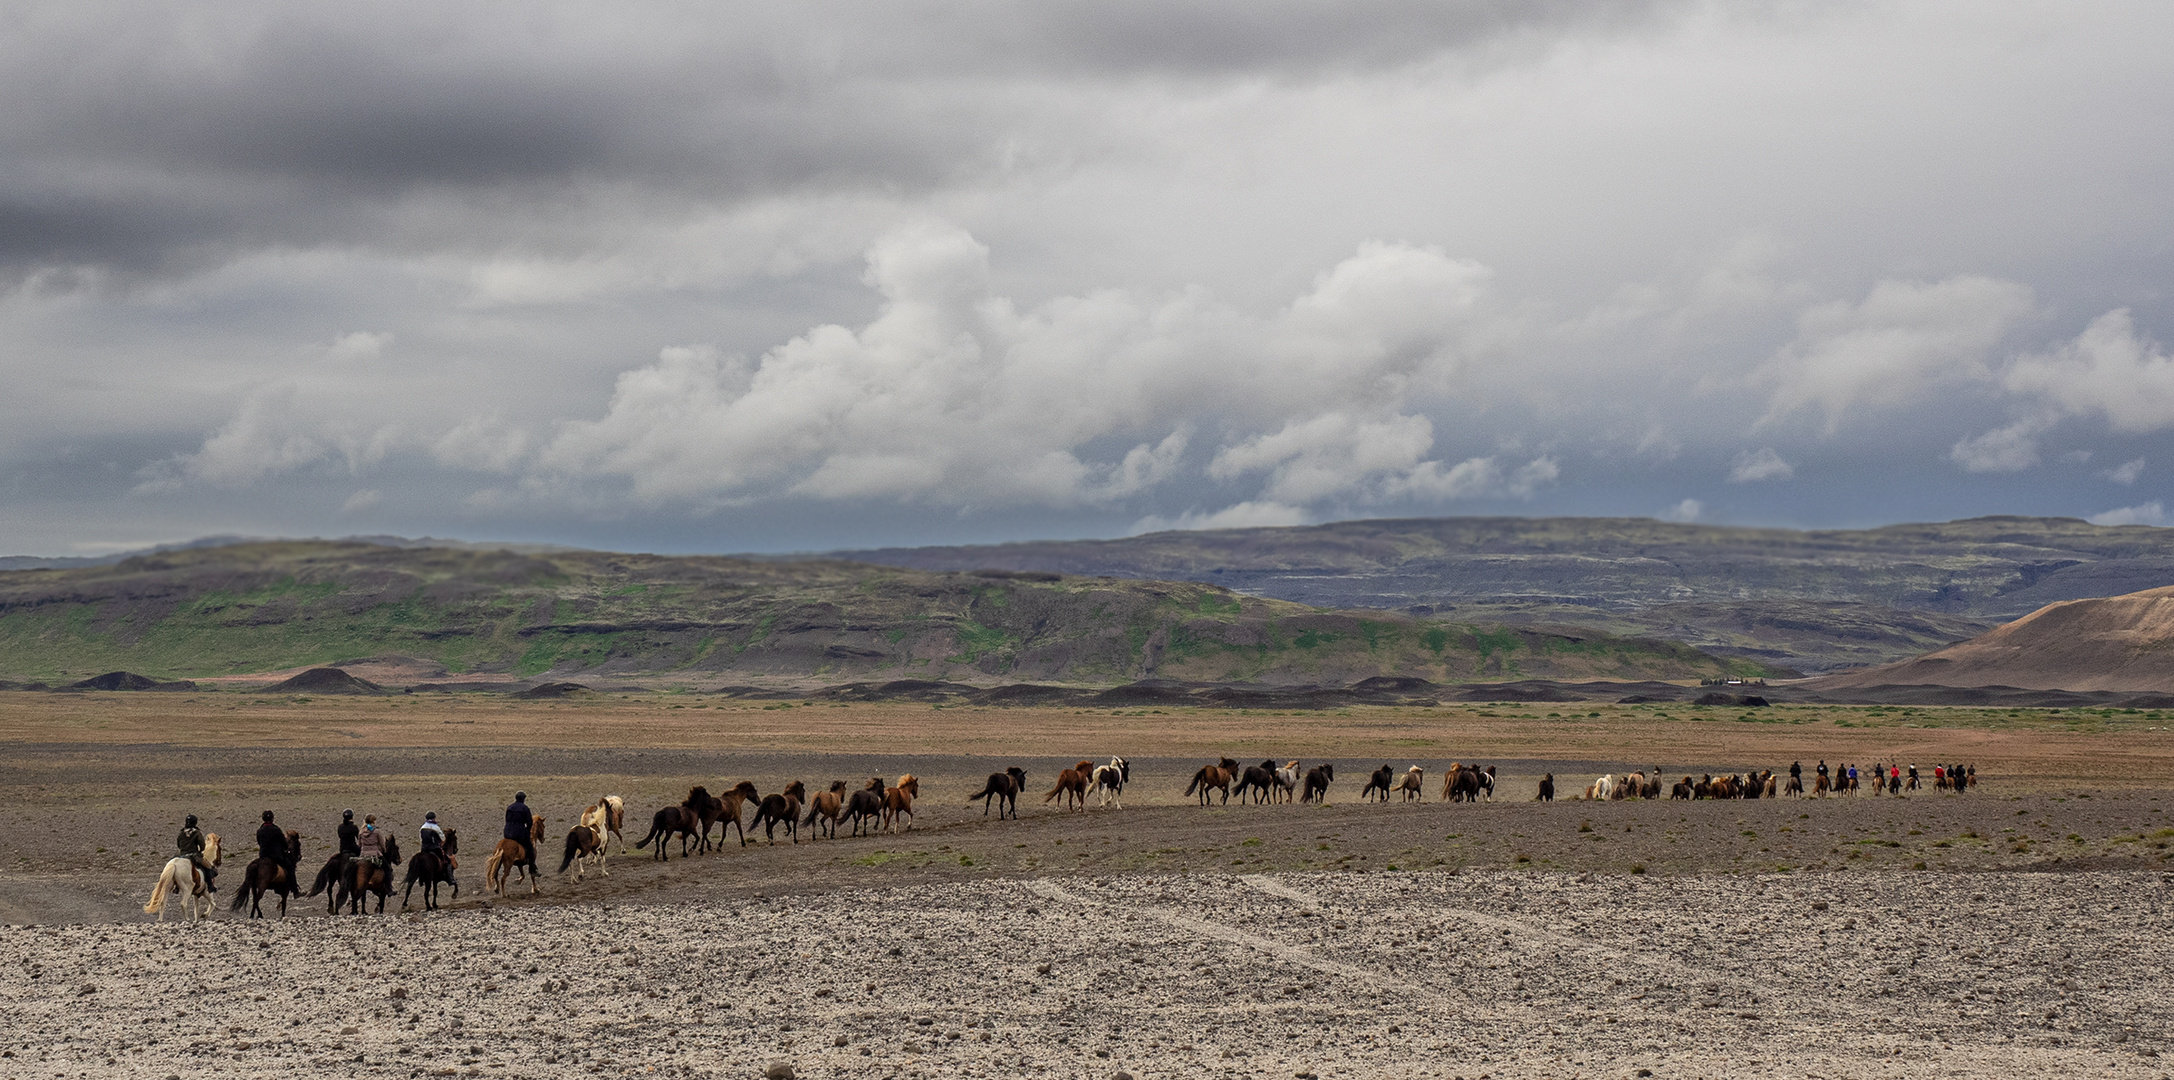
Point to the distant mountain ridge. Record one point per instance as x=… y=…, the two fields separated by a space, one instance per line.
x=2116 y=643
x=1814 y=600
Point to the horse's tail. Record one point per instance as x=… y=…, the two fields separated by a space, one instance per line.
x=241 y=896
x=325 y=879
x=654 y=830
x=568 y=859
x=987 y=790
x=1200 y=780
x=158 y=895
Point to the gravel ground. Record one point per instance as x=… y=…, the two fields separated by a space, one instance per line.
x=1469 y=974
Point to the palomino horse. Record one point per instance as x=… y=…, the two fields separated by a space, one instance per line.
x=1072 y=784
x=363 y=879
x=782 y=808
x=865 y=806
x=265 y=875
x=1110 y=780
x=1002 y=791
x=185 y=882
x=1218 y=776
x=508 y=856
x=432 y=869
x=826 y=808
x=583 y=844
x=1413 y=778
x=608 y=818
x=898 y=801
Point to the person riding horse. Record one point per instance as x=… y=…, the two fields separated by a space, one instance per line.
x=520 y=824
x=370 y=844
x=191 y=846
x=433 y=834
x=348 y=832
x=272 y=844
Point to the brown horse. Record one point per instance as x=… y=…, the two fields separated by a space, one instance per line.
x=707 y=809
x=265 y=875
x=735 y=802
x=865 y=806
x=825 y=809
x=583 y=844
x=1413 y=778
x=1072 y=784
x=363 y=879
x=509 y=856
x=1001 y=791
x=898 y=801
x=433 y=868
x=1218 y=776
x=782 y=808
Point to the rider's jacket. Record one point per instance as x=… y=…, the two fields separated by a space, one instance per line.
x=272 y=842
x=190 y=842
x=519 y=822
x=348 y=832
x=370 y=845
x=433 y=837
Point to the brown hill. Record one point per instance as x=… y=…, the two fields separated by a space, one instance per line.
x=2121 y=643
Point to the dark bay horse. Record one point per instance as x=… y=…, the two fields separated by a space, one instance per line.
x=1317 y=783
x=263 y=876
x=782 y=808
x=1002 y=791
x=866 y=806
x=433 y=868
x=363 y=879
x=669 y=822
x=1259 y=779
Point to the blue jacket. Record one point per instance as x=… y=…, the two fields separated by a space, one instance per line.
x=519 y=822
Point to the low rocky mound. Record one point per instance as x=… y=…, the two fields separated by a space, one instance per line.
x=325 y=680
x=553 y=691
x=127 y=680
x=2118 y=643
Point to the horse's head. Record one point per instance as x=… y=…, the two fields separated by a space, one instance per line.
x=452 y=841
x=392 y=850
x=535 y=827
x=211 y=848
x=796 y=791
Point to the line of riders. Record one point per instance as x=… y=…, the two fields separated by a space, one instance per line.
x=362 y=866
x=1895 y=778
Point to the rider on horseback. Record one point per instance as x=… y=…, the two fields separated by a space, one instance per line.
x=520 y=824
x=370 y=843
x=191 y=845
x=433 y=835
x=348 y=832
x=272 y=844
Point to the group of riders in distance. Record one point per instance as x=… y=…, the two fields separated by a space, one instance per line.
x=363 y=865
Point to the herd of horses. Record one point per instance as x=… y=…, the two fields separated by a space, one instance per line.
x=888 y=806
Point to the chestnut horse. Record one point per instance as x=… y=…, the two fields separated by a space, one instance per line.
x=1072 y=784
x=1218 y=776
x=182 y=879
x=898 y=801
x=825 y=809
x=508 y=856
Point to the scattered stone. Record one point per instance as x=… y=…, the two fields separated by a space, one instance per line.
x=778 y=1070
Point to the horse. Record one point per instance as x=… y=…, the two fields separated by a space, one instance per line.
x=1463 y=783
x=865 y=805
x=1819 y=786
x=827 y=806
x=1652 y=790
x=1072 y=784
x=328 y=881
x=1414 y=777
x=181 y=879
x=1795 y=786
x=782 y=808
x=1109 y=781
x=1287 y=780
x=1258 y=779
x=267 y=875
x=582 y=844
x=1378 y=782
x=664 y=825
x=1632 y=787
x=606 y=819
x=363 y=879
x=1317 y=784
x=509 y=856
x=707 y=809
x=898 y=801
x=735 y=801
x=1603 y=788
x=1002 y=790
x=1218 y=776
x=435 y=868
x=1683 y=789
x=1547 y=789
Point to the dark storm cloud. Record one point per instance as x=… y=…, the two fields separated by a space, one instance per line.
x=142 y=136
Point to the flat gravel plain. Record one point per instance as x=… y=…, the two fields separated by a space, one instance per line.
x=1381 y=974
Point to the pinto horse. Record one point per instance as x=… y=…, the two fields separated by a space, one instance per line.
x=667 y=823
x=432 y=869
x=363 y=879
x=1109 y=781
x=898 y=801
x=509 y=856
x=582 y=844
x=1002 y=791
x=782 y=808
x=1218 y=776
x=265 y=875
x=1287 y=780
x=181 y=879
x=1072 y=784
x=826 y=808
x=608 y=818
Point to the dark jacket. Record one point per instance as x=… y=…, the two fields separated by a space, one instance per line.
x=190 y=842
x=272 y=842
x=348 y=832
x=519 y=822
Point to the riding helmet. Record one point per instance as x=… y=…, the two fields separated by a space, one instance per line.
x=267 y=815
x=347 y=815
x=189 y=821
x=432 y=816
x=520 y=796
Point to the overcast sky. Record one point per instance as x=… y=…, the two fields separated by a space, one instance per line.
x=807 y=276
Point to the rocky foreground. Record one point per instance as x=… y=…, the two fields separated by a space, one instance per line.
x=1281 y=975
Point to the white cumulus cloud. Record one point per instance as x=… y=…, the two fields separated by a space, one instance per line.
x=1753 y=466
x=1903 y=339
x=2150 y=513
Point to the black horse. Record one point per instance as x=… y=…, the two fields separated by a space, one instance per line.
x=1547 y=789
x=1379 y=782
x=269 y=876
x=328 y=881
x=781 y=809
x=669 y=822
x=864 y=806
x=1002 y=791
x=433 y=868
x=1259 y=779
x=1317 y=783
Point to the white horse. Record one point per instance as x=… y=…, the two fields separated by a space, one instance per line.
x=606 y=819
x=184 y=881
x=1109 y=781
x=1286 y=783
x=1603 y=788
